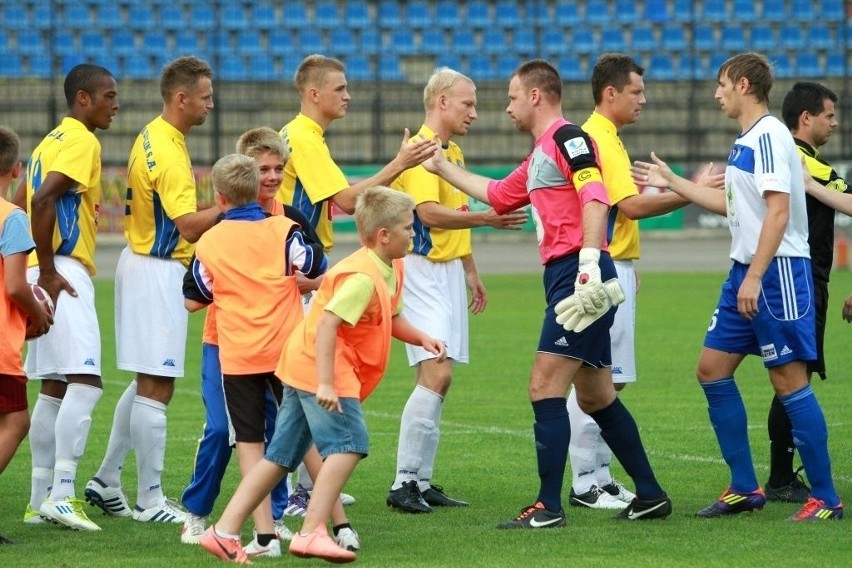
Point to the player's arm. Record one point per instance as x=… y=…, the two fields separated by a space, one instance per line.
x=470 y=183
x=771 y=233
x=658 y=174
x=838 y=201
x=307 y=258
x=197 y=287
x=326 y=344
x=402 y=329
x=438 y=216
x=19 y=291
x=192 y=225
x=410 y=154
x=478 y=297
x=644 y=205
x=43 y=222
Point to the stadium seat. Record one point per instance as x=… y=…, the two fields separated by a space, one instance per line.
x=476 y=15
x=93 y=44
x=691 y=67
x=714 y=11
x=762 y=37
x=219 y=43
x=357 y=14
x=155 y=43
x=123 y=43
x=76 y=18
x=684 y=11
x=202 y=18
x=41 y=66
x=673 y=38
x=791 y=37
x=4 y=43
x=553 y=43
x=15 y=17
x=524 y=42
x=819 y=36
x=447 y=14
x=63 y=43
x=262 y=68
x=571 y=69
x=807 y=65
x=733 y=38
x=295 y=15
x=715 y=61
x=643 y=38
x=464 y=42
x=263 y=17
x=289 y=63
x=803 y=10
x=140 y=17
x=108 y=16
x=774 y=11
x=451 y=60
x=401 y=42
x=626 y=11
x=30 y=42
x=281 y=42
x=583 y=41
x=835 y=63
x=341 y=42
x=418 y=15
x=108 y=62
x=11 y=66
x=661 y=68
x=744 y=11
x=598 y=13
x=494 y=41
x=233 y=17
x=782 y=66
x=507 y=14
x=232 y=68
x=433 y=41
x=390 y=69
x=567 y=13
x=370 y=41
x=538 y=12
x=326 y=16
x=703 y=38
x=186 y=43
x=248 y=43
x=832 y=10
x=310 y=41
x=656 y=11
x=612 y=39
x=481 y=69
x=506 y=65
x=358 y=68
x=43 y=17
x=172 y=17
x=389 y=15
x=68 y=62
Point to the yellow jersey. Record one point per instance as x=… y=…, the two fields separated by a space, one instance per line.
x=438 y=245
x=73 y=150
x=622 y=233
x=311 y=178
x=160 y=188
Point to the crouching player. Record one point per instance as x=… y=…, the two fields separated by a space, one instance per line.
x=332 y=362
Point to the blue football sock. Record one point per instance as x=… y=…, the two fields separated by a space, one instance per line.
x=728 y=417
x=619 y=431
x=810 y=435
x=552 y=433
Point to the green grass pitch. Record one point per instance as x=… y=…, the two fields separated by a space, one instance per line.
x=487 y=456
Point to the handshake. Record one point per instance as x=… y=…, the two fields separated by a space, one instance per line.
x=591 y=298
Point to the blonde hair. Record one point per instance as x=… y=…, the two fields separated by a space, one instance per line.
x=236 y=178
x=313 y=69
x=442 y=80
x=262 y=140
x=380 y=207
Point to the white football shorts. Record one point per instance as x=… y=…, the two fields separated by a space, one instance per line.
x=622 y=331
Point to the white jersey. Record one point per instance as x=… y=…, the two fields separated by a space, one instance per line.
x=764 y=159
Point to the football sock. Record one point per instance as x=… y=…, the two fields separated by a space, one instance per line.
x=781 y=446
x=226 y=535
x=72 y=432
x=148 y=435
x=430 y=444
x=119 y=439
x=43 y=447
x=603 y=458
x=265 y=539
x=728 y=417
x=621 y=434
x=811 y=436
x=585 y=434
x=552 y=430
x=416 y=426
x=337 y=528
x=304 y=478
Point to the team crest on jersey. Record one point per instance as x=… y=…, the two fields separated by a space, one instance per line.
x=576 y=147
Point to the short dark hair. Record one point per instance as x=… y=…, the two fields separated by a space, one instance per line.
x=805 y=96
x=613 y=69
x=183 y=73
x=83 y=77
x=9 y=149
x=754 y=67
x=541 y=75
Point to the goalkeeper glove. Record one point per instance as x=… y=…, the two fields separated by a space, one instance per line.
x=570 y=313
x=588 y=286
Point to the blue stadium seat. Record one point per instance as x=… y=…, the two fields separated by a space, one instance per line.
x=554 y=43
x=567 y=13
x=684 y=11
x=807 y=65
x=691 y=67
x=15 y=17
x=476 y=15
x=30 y=42
x=109 y=16
x=803 y=10
x=433 y=41
x=172 y=17
x=835 y=63
x=232 y=68
x=155 y=43
x=401 y=42
x=762 y=37
x=791 y=36
x=4 y=43
x=656 y=11
x=583 y=41
x=506 y=65
x=661 y=68
x=186 y=43
x=140 y=17
x=733 y=38
x=626 y=11
x=202 y=18
x=782 y=66
x=137 y=67
x=447 y=14
x=464 y=42
x=63 y=43
x=41 y=66
x=714 y=11
x=597 y=12
x=112 y=64
x=494 y=41
x=831 y=10
x=507 y=14
x=451 y=60
x=68 y=62
x=418 y=14
x=357 y=14
x=571 y=69
x=341 y=42
x=371 y=41
x=538 y=12
x=264 y=18
x=643 y=38
x=481 y=69
x=716 y=61
x=390 y=68
x=76 y=18
x=281 y=42
x=289 y=63
x=703 y=38
x=123 y=43
x=744 y=11
x=389 y=15
x=43 y=17
x=358 y=68
x=248 y=43
x=93 y=44
x=819 y=36
x=774 y=11
x=612 y=39
x=262 y=68
x=219 y=43
x=310 y=41
x=525 y=42
x=326 y=15
x=673 y=38
x=11 y=66
x=295 y=15
x=233 y=17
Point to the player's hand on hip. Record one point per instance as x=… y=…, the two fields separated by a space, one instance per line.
x=847 y=308
x=53 y=284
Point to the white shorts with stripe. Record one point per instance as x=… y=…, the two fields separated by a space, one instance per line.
x=623 y=327
x=150 y=318
x=435 y=301
x=73 y=344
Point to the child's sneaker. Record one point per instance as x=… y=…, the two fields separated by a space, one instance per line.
x=297 y=502
x=347 y=538
x=282 y=531
x=193 y=529
x=228 y=549
x=271 y=550
x=319 y=545
x=816 y=510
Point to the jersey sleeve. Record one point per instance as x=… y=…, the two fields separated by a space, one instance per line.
x=510 y=192
x=321 y=177
x=304 y=257
x=581 y=165
x=771 y=168
x=176 y=189
x=15 y=236
x=76 y=160
x=421 y=185
x=308 y=232
x=197 y=283
x=351 y=298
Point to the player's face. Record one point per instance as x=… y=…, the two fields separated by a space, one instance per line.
x=628 y=102
x=333 y=97
x=460 y=107
x=726 y=96
x=520 y=107
x=399 y=236
x=198 y=102
x=271 y=173
x=102 y=104
x=824 y=123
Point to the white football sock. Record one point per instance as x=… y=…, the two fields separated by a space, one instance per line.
x=603 y=457
x=148 y=435
x=416 y=426
x=43 y=447
x=72 y=431
x=430 y=445
x=119 y=439
x=582 y=448
x=304 y=478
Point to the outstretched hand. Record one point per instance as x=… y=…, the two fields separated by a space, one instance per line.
x=512 y=221
x=415 y=152
x=656 y=173
x=707 y=178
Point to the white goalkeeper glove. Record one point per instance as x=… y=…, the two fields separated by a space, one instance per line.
x=588 y=286
x=591 y=298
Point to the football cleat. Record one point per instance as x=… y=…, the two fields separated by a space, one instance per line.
x=619 y=491
x=228 y=549
x=256 y=550
x=297 y=502
x=732 y=503
x=816 y=510
x=646 y=510
x=319 y=545
x=435 y=497
x=193 y=529
x=33 y=517
x=110 y=499
x=535 y=517
x=797 y=491
x=347 y=539
x=595 y=498
x=282 y=531
x=165 y=512
x=408 y=499
x=68 y=512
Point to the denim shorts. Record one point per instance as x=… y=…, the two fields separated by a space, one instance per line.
x=301 y=421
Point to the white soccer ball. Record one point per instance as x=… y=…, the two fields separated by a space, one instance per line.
x=43 y=298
